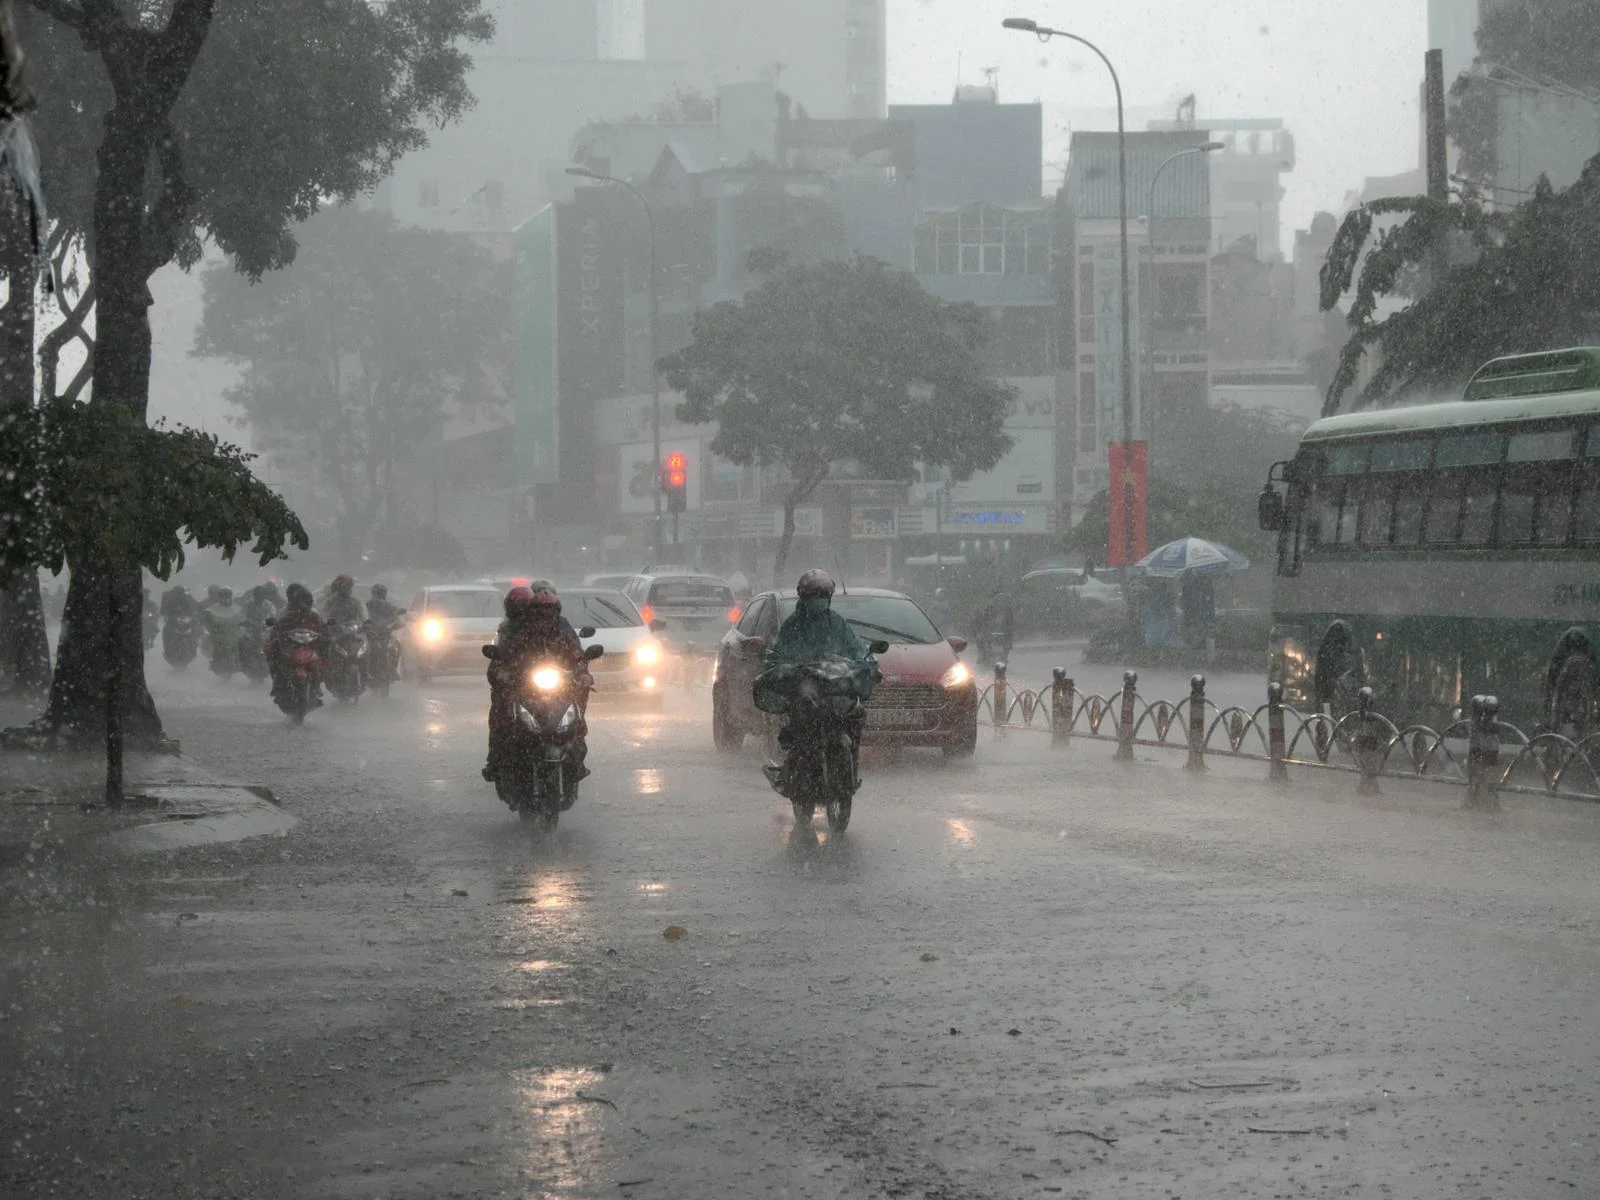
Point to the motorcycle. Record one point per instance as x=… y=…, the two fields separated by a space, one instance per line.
x=302 y=670
x=224 y=648
x=151 y=620
x=180 y=639
x=823 y=704
x=348 y=668
x=383 y=656
x=539 y=781
x=993 y=646
x=252 y=652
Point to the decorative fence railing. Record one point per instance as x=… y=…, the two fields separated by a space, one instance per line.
x=1481 y=752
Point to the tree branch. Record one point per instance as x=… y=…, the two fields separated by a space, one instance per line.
x=63 y=12
x=177 y=48
x=51 y=345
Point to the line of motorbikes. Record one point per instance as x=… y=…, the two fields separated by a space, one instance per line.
x=347 y=659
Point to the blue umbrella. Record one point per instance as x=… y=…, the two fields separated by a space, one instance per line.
x=1191 y=554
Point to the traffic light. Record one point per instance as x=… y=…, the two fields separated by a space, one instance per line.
x=675 y=482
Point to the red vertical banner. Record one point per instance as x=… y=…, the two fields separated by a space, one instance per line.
x=1128 y=503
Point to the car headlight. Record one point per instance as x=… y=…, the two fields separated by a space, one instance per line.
x=959 y=675
x=546 y=679
x=433 y=630
x=646 y=654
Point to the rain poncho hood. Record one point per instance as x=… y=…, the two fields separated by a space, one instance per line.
x=807 y=637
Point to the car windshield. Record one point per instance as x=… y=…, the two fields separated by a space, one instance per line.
x=695 y=592
x=603 y=610
x=880 y=618
x=463 y=605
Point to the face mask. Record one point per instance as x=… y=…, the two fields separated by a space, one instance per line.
x=812 y=606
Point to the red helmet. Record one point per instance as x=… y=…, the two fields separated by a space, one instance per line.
x=518 y=601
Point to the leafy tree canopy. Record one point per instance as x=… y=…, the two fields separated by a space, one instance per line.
x=360 y=349
x=287 y=104
x=1517 y=281
x=88 y=483
x=843 y=361
x=1552 y=41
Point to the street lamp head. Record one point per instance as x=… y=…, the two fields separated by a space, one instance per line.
x=1210 y=146
x=582 y=172
x=1026 y=24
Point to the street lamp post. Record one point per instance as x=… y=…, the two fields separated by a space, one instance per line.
x=655 y=347
x=1149 y=305
x=1027 y=25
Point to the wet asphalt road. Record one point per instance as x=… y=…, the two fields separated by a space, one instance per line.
x=1038 y=974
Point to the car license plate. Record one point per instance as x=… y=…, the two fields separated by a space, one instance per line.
x=895 y=718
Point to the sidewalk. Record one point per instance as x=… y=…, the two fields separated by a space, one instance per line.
x=52 y=806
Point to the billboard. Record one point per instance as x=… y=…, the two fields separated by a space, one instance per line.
x=533 y=371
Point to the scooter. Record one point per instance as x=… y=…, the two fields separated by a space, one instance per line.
x=823 y=704
x=539 y=780
x=252 y=653
x=348 y=664
x=383 y=653
x=180 y=639
x=303 y=666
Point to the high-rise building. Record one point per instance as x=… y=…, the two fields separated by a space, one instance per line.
x=828 y=55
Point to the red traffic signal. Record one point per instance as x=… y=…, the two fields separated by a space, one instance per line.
x=675 y=478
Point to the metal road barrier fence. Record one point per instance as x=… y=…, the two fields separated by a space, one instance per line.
x=1480 y=752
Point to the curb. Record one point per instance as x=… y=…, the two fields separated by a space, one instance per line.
x=201 y=815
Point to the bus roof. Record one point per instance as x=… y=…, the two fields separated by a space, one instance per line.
x=1519 y=387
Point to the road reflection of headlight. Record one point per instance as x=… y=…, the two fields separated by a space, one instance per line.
x=647 y=654
x=433 y=630
x=547 y=679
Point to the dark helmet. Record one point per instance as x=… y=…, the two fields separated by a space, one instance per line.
x=225 y=595
x=341 y=585
x=380 y=591
x=260 y=592
x=213 y=592
x=544 y=596
x=299 y=596
x=815 y=582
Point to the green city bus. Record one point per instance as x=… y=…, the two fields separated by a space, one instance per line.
x=1439 y=551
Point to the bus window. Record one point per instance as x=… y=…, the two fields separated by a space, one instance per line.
x=1444 y=508
x=1377 y=509
x=1536 y=490
x=1349 y=510
x=1347 y=460
x=1408 y=509
x=1477 y=508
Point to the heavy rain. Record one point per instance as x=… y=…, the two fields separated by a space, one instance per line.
x=848 y=598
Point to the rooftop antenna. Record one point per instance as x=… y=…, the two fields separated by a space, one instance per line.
x=992 y=74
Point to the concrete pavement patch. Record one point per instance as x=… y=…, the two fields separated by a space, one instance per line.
x=201 y=815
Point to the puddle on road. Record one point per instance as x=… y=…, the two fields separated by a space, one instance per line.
x=564 y=1112
x=647 y=781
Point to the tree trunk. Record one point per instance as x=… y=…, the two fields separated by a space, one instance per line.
x=24 y=645
x=121 y=376
x=781 y=559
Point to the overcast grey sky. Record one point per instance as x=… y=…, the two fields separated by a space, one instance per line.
x=1344 y=75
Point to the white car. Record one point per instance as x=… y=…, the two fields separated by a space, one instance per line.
x=634 y=661
x=446 y=628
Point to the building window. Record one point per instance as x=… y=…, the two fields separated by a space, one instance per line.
x=983 y=239
x=428 y=194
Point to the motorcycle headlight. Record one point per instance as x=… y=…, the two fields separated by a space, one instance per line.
x=647 y=654
x=568 y=718
x=546 y=679
x=958 y=675
x=433 y=630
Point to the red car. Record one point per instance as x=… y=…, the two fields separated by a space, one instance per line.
x=928 y=696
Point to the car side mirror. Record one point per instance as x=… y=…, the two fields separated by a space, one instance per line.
x=879 y=647
x=1269 y=509
x=592 y=652
x=958 y=644
x=491 y=651
x=657 y=625
x=586 y=632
